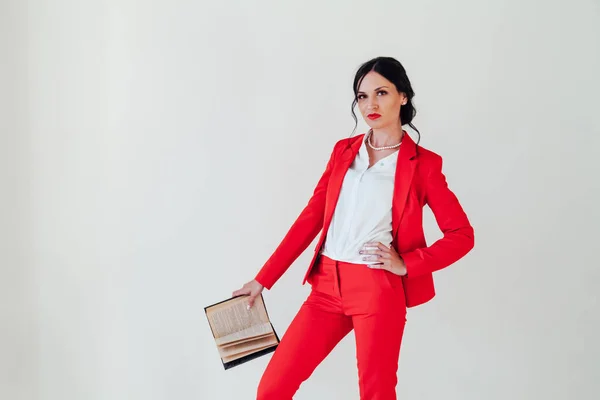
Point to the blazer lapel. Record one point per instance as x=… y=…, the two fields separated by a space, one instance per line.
x=405 y=170
x=340 y=167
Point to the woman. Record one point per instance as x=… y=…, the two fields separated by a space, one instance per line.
x=371 y=261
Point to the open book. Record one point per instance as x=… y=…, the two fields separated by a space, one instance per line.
x=241 y=335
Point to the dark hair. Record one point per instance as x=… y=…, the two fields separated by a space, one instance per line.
x=393 y=71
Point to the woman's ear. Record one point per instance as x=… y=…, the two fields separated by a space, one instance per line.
x=404 y=98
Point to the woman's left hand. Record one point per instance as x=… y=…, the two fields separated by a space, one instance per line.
x=387 y=257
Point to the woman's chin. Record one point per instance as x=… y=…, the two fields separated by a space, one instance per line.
x=374 y=124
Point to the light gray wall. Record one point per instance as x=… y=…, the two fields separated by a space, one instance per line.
x=18 y=322
x=155 y=153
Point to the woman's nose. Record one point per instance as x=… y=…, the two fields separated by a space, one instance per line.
x=372 y=105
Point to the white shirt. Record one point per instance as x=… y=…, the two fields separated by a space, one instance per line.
x=364 y=209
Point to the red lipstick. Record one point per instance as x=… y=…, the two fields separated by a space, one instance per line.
x=373 y=116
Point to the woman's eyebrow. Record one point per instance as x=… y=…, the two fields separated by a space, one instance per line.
x=380 y=87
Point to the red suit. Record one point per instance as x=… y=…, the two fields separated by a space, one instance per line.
x=337 y=304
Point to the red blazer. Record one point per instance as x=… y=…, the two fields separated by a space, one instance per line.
x=419 y=181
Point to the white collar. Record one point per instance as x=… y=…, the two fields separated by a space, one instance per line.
x=363 y=154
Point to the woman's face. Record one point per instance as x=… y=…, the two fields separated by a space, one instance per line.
x=379 y=101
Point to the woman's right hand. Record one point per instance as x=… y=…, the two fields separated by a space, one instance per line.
x=252 y=289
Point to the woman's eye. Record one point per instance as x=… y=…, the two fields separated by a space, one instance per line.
x=362 y=96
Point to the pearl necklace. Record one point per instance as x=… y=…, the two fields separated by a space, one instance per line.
x=381 y=148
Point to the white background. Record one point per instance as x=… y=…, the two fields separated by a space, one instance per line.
x=154 y=153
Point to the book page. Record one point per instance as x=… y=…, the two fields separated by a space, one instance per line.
x=247 y=339
x=256 y=330
x=232 y=316
x=248 y=346
x=245 y=353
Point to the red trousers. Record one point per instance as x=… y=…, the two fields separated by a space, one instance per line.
x=344 y=296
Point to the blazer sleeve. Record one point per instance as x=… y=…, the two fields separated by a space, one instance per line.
x=301 y=234
x=458 y=233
